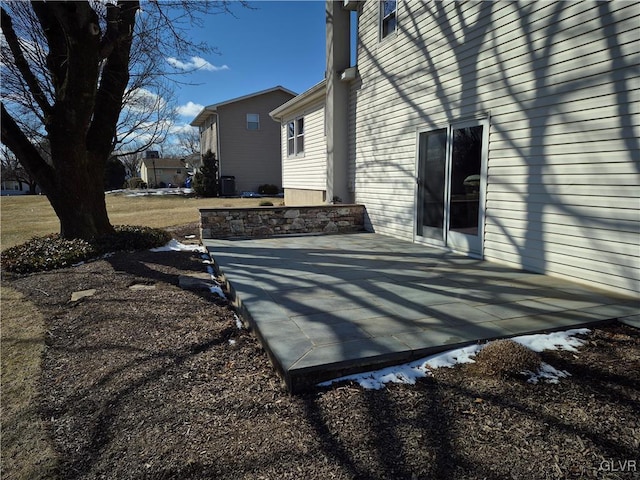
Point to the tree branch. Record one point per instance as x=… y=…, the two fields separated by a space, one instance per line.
x=112 y=33
x=57 y=43
x=25 y=151
x=22 y=64
x=113 y=82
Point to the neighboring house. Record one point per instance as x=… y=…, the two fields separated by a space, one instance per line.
x=14 y=187
x=506 y=131
x=163 y=172
x=243 y=137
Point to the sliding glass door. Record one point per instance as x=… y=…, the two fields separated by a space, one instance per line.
x=450 y=186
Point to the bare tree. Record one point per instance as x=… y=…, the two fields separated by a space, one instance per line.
x=188 y=141
x=71 y=66
x=131 y=162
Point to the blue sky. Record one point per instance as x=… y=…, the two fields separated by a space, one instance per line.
x=277 y=43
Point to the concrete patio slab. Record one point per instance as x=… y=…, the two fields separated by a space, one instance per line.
x=631 y=320
x=329 y=305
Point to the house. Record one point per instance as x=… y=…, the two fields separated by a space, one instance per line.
x=163 y=172
x=507 y=131
x=243 y=137
x=15 y=187
x=304 y=147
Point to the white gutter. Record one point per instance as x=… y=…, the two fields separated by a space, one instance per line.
x=312 y=95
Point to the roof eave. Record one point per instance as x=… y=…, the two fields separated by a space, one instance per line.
x=206 y=111
x=202 y=116
x=312 y=95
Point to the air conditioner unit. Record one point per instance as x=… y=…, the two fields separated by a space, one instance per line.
x=350 y=4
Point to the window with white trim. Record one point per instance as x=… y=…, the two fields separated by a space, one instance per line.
x=388 y=17
x=295 y=137
x=253 y=121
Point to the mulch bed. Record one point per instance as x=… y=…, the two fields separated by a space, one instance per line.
x=160 y=383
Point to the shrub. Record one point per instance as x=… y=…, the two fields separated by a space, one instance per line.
x=131 y=237
x=52 y=251
x=506 y=358
x=46 y=253
x=268 y=189
x=205 y=182
x=266 y=203
x=135 y=182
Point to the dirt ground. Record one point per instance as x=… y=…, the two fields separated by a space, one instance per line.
x=157 y=382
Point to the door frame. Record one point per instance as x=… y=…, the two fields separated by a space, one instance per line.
x=475 y=248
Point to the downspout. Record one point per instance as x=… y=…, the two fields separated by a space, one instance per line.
x=338 y=45
x=218 y=156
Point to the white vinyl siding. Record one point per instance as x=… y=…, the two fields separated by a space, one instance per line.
x=209 y=136
x=559 y=83
x=308 y=170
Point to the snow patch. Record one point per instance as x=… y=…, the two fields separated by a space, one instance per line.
x=217 y=290
x=546 y=373
x=154 y=192
x=409 y=372
x=553 y=341
x=453 y=357
x=239 y=324
x=175 y=246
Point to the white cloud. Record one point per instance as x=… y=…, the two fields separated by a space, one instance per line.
x=190 y=109
x=181 y=128
x=143 y=100
x=195 y=63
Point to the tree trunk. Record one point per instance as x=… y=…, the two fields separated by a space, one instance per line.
x=79 y=202
x=74 y=183
x=89 y=72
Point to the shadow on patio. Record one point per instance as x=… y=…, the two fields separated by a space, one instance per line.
x=327 y=306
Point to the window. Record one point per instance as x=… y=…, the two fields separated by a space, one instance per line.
x=300 y=135
x=253 y=121
x=388 y=11
x=291 y=138
x=295 y=137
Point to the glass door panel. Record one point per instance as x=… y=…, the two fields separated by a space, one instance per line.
x=466 y=162
x=432 y=157
x=450 y=187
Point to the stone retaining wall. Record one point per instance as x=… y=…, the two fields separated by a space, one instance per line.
x=269 y=221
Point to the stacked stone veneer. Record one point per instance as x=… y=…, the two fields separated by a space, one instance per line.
x=269 y=221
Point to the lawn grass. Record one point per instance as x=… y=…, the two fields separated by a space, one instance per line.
x=26 y=448
x=23 y=217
